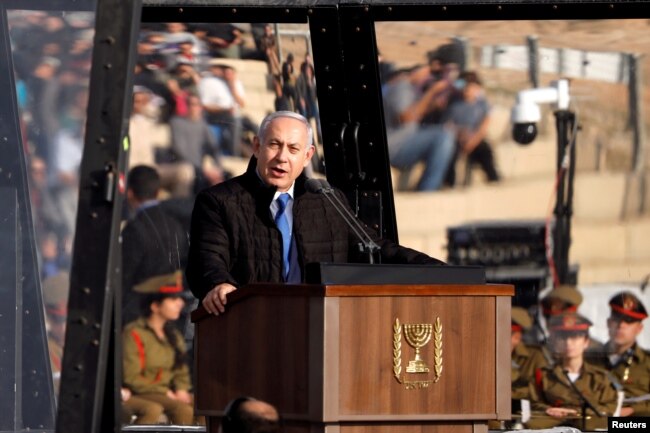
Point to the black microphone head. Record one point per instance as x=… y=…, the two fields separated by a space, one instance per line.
x=325 y=185
x=314 y=186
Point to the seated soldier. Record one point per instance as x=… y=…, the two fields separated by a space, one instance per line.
x=623 y=357
x=558 y=394
x=155 y=366
x=526 y=359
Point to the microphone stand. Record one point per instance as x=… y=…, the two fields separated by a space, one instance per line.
x=367 y=245
x=585 y=402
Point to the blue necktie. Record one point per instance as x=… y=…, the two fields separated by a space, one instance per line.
x=283 y=225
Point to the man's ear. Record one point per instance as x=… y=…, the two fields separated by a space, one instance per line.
x=310 y=153
x=256 y=146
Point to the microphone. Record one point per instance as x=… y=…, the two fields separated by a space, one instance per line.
x=367 y=245
x=314 y=186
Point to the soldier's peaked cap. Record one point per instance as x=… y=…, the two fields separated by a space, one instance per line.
x=520 y=319
x=167 y=284
x=569 y=322
x=566 y=293
x=627 y=305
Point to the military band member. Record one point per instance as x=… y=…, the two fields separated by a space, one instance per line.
x=557 y=393
x=624 y=358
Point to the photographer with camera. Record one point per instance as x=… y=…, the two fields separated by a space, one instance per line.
x=411 y=98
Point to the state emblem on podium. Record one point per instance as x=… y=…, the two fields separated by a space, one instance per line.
x=418 y=336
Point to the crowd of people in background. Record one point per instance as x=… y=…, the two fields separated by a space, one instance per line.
x=52 y=61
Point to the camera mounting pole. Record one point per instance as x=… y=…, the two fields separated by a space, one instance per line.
x=566 y=153
x=525 y=115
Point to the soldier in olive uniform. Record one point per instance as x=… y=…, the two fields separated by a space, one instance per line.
x=526 y=359
x=624 y=358
x=555 y=394
x=155 y=368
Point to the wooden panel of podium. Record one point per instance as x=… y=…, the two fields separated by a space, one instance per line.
x=357 y=359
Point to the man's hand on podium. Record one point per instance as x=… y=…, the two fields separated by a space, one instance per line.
x=215 y=301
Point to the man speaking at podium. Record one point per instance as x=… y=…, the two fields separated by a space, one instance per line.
x=267 y=224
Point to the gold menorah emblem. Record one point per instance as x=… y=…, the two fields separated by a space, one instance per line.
x=417 y=336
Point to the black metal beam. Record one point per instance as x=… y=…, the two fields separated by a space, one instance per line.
x=506 y=10
x=10 y=313
x=51 y=5
x=330 y=87
x=238 y=3
x=218 y=13
x=35 y=373
x=367 y=138
x=88 y=389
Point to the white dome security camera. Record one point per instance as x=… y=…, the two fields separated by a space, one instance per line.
x=526 y=112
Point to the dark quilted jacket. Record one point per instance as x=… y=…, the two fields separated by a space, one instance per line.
x=233 y=237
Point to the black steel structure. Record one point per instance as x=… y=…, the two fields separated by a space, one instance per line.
x=566 y=151
x=24 y=365
x=89 y=398
x=345 y=57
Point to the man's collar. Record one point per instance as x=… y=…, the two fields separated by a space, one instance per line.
x=290 y=192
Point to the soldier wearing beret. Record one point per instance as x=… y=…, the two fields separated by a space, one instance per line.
x=155 y=366
x=623 y=357
x=555 y=394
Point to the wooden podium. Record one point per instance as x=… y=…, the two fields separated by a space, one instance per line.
x=339 y=358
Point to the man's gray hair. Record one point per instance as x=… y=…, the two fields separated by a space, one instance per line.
x=290 y=114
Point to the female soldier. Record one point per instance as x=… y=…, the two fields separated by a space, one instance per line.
x=155 y=368
x=559 y=392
